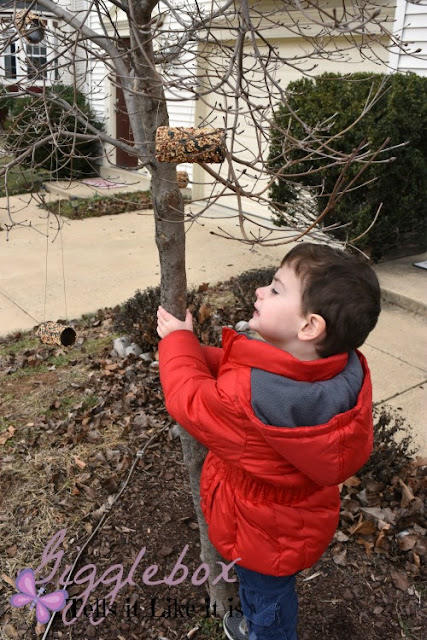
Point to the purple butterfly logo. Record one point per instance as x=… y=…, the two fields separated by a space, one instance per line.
x=26 y=585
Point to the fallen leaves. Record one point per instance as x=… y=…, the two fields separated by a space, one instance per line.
x=118 y=406
x=386 y=520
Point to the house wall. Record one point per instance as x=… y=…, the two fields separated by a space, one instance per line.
x=378 y=60
x=93 y=77
x=247 y=143
x=411 y=26
x=184 y=111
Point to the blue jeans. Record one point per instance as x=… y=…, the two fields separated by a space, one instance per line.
x=269 y=604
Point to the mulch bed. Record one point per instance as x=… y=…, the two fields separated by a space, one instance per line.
x=68 y=467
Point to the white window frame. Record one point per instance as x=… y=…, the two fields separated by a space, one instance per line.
x=22 y=62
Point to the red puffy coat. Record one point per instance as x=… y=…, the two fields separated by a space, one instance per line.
x=269 y=493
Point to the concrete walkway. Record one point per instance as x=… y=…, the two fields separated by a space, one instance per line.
x=102 y=262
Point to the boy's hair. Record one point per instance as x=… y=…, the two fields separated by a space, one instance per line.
x=340 y=287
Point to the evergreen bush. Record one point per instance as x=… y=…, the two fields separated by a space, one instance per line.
x=32 y=118
x=401 y=185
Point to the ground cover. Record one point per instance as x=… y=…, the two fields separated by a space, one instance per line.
x=72 y=424
x=80 y=208
x=21 y=179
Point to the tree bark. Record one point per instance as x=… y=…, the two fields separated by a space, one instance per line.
x=168 y=208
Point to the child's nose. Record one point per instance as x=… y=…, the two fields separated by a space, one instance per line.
x=259 y=292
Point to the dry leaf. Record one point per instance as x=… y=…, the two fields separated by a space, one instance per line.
x=367 y=544
x=8 y=580
x=352 y=482
x=7 y=434
x=10 y=631
x=380 y=517
x=205 y=313
x=407 y=495
x=339 y=555
x=112 y=367
x=417 y=561
x=379 y=540
x=407 y=542
x=79 y=462
x=400 y=580
x=363 y=528
x=340 y=536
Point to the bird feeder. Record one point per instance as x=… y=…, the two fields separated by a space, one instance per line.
x=30 y=26
x=190 y=144
x=54 y=333
x=182 y=179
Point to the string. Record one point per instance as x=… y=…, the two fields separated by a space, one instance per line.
x=46 y=263
x=63 y=272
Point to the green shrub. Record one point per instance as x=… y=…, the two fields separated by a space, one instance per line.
x=400 y=114
x=5 y=103
x=33 y=118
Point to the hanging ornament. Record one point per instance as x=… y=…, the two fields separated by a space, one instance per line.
x=30 y=26
x=190 y=144
x=54 y=333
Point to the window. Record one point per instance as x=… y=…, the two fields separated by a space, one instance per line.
x=23 y=61
x=36 y=59
x=10 y=61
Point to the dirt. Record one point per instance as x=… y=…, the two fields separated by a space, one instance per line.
x=65 y=461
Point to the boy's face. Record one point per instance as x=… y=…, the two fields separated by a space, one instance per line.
x=277 y=317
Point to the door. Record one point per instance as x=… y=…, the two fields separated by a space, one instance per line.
x=123 y=130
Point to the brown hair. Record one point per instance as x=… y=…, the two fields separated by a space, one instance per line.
x=342 y=288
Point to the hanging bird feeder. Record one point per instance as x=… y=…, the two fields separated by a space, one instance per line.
x=190 y=144
x=54 y=333
x=30 y=26
x=182 y=179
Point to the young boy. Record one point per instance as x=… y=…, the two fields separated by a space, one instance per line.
x=285 y=420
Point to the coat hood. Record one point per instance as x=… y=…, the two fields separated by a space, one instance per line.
x=316 y=414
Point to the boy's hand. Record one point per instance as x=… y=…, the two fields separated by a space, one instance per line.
x=166 y=322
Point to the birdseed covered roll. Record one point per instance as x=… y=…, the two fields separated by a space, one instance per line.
x=190 y=144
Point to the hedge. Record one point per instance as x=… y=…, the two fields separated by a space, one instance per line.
x=401 y=115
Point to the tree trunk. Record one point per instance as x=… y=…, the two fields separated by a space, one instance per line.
x=168 y=208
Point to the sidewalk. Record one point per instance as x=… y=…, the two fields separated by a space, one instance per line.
x=100 y=262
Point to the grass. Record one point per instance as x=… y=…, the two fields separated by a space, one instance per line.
x=28 y=341
x=60 y=357
x=211 y=628
x=21 y=179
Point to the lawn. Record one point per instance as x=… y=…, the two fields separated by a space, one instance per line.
x=21 y=179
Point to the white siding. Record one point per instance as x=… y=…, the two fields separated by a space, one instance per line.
x=92 y=77
x=411 y=26
x=181 y=105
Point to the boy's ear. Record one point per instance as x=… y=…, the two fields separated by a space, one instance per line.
x=314 y=328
